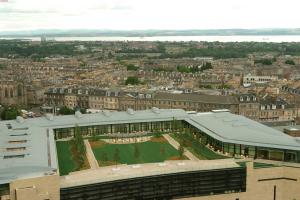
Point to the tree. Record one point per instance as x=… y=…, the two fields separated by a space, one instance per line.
x=10 y=113
x=80 y=147
x=181 y=150
x=131 y=67
x=264 y=61
x=132 y=80
x=157 y=134
x=173 y=124
x=198 y=137
x=2 y=66
x=290 y=62
x=117 y=155
x=64 y=110
x=94 y=136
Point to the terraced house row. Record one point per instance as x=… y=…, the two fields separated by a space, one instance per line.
x=267 y=109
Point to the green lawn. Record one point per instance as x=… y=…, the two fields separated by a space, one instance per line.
x=65 y=160
x=198 y=149
x=156 y=150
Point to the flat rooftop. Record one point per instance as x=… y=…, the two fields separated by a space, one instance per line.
x=27 y=146
x=26 y=152
x=119 y=172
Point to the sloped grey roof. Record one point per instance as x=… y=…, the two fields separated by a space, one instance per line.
x=227 y=127
x=196 y=98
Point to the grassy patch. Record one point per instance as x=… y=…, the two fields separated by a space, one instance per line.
x=156 y=150
x=66 y=154
x=65 y=160
x=197 y=148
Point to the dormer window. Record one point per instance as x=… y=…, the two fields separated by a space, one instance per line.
x=241 y=99
x=254 y=98
x=248 y=98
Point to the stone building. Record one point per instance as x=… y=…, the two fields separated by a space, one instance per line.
x=276 y=109
x=189 y=102
x=83 y=98
x=104 y=100
x=13 y=93
x=249 y=106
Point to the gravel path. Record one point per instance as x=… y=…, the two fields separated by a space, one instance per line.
x=90 y=155
x=175 y=144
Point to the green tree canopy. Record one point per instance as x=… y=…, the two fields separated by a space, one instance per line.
x=132 y=80
x=9 y=113
x=290 y=62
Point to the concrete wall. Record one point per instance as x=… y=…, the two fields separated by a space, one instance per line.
x=41 y=188
x=260 y=185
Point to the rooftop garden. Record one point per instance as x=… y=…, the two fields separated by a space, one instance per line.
x=193 y=144
x=156 y=149
x=71 y=155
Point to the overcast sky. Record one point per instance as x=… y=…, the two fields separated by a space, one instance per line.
x=148 y=14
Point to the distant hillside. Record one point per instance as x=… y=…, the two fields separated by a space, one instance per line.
x=149 y=33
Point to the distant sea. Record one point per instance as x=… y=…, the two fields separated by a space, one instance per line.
x=235 y=38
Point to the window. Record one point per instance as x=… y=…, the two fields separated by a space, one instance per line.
x=16 y=149
x=14 y=156
x=23 y=134
x=17 y=141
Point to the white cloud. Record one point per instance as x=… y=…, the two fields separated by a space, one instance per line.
x=148 y=14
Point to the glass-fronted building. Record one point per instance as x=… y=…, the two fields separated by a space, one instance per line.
x=225 y=133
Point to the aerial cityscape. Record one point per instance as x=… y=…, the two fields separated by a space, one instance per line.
x=117 y=100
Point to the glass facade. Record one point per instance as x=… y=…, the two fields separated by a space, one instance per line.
x=126 y=128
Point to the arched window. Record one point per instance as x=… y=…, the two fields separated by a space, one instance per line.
x=11 y=92
x=6 y=93
x=19 y=90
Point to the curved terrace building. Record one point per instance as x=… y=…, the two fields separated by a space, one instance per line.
x=29 y=167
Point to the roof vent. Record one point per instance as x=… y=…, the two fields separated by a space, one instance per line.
x=130 y=111
x=155 y=110
x=239 y=124
x=20 y=120
x=78 y=114
x=220 y=111
x=106 y=113
x=49 y=116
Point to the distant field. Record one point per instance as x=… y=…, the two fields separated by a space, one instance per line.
x=155 y=150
